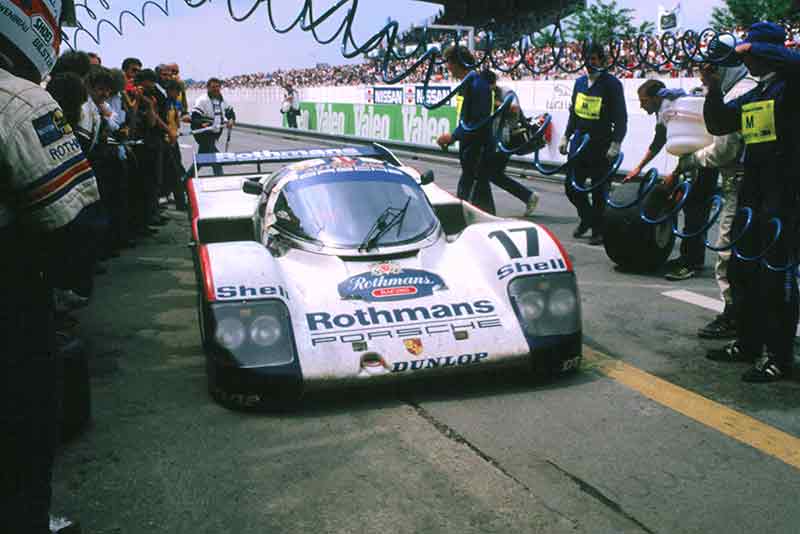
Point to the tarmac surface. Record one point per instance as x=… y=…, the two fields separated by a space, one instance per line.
x=649 y=436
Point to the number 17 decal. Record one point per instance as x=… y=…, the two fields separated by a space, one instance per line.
x=531 y=241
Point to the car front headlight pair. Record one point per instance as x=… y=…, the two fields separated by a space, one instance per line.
x=546 y=305
x=254 y=334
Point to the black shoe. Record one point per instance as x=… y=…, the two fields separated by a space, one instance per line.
x=731 y=352
x=581 y=229
x=99 y=268
x=596 y=239
x=766 y=369
x=722 y=327
x=679 y=272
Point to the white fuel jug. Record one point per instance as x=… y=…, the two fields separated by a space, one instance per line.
x=686 y=129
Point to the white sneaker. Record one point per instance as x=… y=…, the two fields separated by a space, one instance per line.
x=531 y=206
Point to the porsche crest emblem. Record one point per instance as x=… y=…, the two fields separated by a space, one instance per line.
x=413 y=345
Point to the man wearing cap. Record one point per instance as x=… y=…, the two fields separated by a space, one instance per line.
x=46 y=183
x=598 y=108
x=764 y=269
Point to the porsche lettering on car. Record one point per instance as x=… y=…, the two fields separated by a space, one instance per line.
x=342 y=266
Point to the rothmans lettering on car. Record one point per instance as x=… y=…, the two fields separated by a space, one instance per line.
x=521 y=267
x=266 y=155
x=323 y=321
x=441 y=361
x=376 y=286
x=244 y=292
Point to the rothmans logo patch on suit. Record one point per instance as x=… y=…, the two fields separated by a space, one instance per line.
x=386 y=282
x=51 y=127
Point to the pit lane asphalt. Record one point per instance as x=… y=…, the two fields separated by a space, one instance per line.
x=591 y=453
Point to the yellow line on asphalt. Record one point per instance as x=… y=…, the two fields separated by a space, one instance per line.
x=738 y=426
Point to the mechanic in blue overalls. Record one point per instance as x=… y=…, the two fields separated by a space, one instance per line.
x=768 y=117
x=598 y=108
x=473 y=105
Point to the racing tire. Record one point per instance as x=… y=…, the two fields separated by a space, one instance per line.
x=630 y=242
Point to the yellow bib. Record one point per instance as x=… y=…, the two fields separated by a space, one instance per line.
x=459 y=105
x=758 y=122
x=588 y=107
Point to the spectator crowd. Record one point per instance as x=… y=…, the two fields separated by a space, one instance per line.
x=127 y=122
x=669 y=60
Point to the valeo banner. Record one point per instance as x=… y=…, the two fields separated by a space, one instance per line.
x=407 y=123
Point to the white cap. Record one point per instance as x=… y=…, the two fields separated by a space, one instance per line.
x=33 y=26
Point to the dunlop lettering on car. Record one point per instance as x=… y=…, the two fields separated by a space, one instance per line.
x=439 y=362
x=387 y=282
x=372 y=323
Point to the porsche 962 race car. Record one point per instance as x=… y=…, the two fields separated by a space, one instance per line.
x=342 y=266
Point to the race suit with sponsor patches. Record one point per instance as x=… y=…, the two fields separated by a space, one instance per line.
x=45 y=182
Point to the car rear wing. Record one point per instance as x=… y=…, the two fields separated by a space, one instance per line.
x=259 y=157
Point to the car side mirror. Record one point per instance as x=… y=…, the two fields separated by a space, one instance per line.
x=252 y=188
x=426 y=178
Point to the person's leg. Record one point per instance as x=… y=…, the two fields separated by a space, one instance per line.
x=28 y=408
x=497 y=175
x=724 y=324
x=580 y=200
x=600 y=179
x=696 y=212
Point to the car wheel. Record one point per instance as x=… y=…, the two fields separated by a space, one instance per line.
x=629 y=241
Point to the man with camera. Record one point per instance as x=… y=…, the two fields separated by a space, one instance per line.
x=209 y=116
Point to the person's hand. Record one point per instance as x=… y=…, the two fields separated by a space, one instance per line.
x=563 y=145
x=444 y=140
x=631 y=175
x=613 y=151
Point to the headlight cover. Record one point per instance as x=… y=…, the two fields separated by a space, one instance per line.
x=547 y=304
x=253 y=334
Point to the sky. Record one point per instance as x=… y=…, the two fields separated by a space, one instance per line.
x=206 y=42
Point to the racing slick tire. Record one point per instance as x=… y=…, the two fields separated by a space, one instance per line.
x=630 y=242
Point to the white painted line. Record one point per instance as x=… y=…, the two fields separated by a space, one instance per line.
x=702 y=301
x=696 y=299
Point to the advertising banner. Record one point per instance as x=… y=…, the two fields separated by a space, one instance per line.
x=406 y=123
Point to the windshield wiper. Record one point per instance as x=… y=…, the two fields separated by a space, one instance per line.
x=388 y=219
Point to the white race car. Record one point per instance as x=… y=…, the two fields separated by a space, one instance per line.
x=344 y=266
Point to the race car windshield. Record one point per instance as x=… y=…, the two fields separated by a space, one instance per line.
x=338 y=209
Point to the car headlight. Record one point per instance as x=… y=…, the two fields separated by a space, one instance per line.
x=562 y=302
x=547 y=304
x=253 y=334
x=265 y=331
x=230 y=333
x=531 y=305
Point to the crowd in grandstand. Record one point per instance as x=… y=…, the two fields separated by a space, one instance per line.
x=540 y=60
